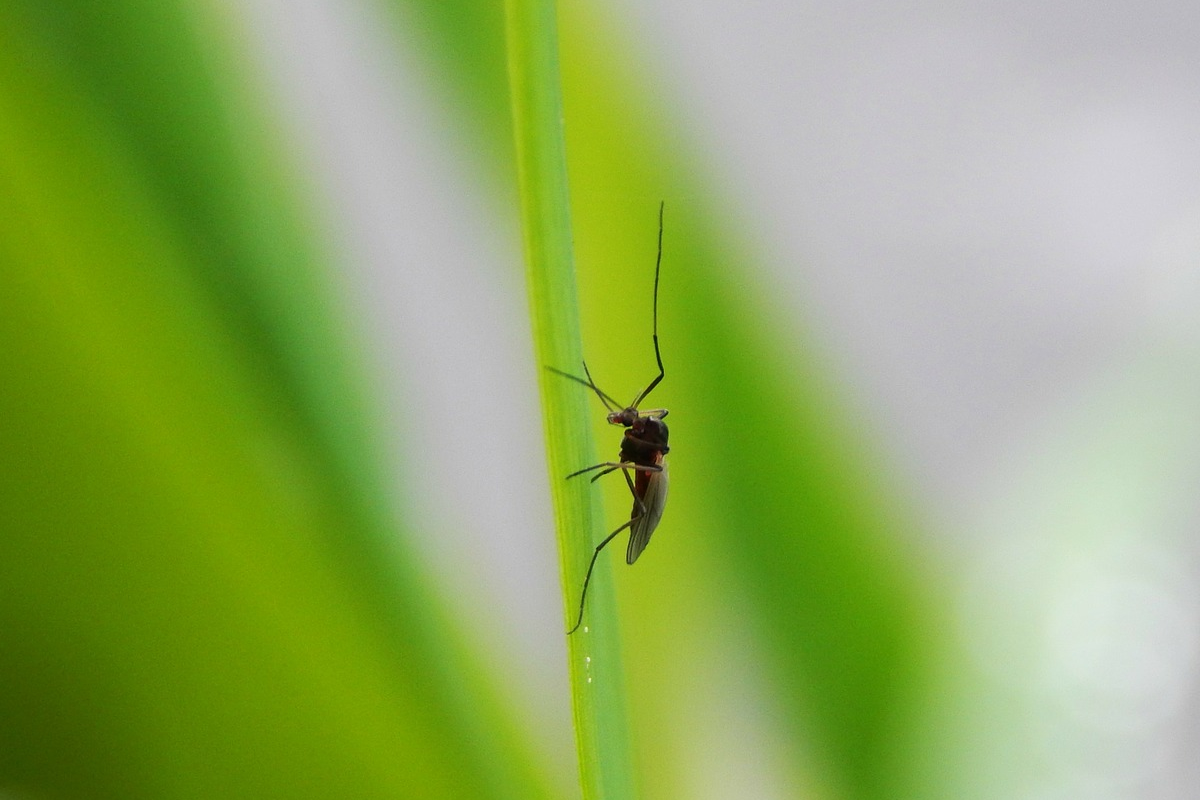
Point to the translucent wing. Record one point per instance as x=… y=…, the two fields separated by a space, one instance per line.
x=655 y=500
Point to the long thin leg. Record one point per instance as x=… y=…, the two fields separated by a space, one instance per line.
x=641 y=510
x=587 y=578
x=637 y=501
x=602 y=473
x=657 y=356
x=614 y=465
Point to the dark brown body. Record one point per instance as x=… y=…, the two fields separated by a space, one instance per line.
x=644 y=444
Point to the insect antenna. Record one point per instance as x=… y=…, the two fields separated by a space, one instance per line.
x=657 y=356
x=609 y=403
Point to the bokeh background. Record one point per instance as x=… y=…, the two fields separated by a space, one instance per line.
x=929 y=316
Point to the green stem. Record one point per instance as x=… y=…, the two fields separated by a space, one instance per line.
x=601 y=722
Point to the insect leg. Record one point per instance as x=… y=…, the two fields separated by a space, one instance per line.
x=601 y=474
x=587 y=578
x=609 y=466
x=641 y=510
x=637 y=501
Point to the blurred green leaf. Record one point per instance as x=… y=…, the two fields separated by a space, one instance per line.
x=200 y=591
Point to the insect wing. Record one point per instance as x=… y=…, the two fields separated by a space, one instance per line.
x=655 y=500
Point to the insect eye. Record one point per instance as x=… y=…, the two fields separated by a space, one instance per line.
x=625 y=419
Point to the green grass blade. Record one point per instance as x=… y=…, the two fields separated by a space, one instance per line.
x=594 y=659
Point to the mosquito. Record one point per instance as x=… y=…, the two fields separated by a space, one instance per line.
x=641 y=459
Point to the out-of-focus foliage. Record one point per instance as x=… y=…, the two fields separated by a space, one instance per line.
x=197 y=592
